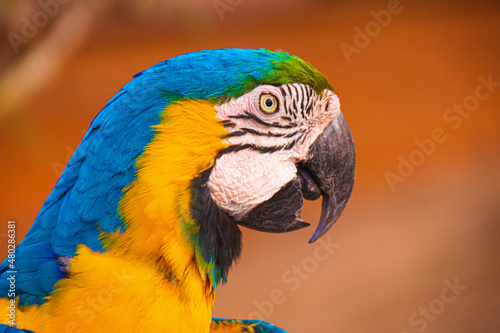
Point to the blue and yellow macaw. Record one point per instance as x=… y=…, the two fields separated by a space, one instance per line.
x=142 y=226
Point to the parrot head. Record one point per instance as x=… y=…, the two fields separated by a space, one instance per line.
x=288 y=142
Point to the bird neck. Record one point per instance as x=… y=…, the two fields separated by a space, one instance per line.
x=157 y=207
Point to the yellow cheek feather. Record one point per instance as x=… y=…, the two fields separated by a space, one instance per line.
x=149 y=279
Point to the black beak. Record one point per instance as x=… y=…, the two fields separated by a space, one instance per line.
x=328 y=172
x=331 y=167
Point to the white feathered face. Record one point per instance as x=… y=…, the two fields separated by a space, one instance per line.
x=271 y=130
x=286 y=143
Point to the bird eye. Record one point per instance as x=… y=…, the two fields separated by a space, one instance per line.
x=268 y=103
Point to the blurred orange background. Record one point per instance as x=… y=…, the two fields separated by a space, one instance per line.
x=419 y=82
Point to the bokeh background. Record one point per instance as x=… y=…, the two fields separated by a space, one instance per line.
x=417 y=248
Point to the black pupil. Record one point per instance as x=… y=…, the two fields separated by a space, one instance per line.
x=269 y=102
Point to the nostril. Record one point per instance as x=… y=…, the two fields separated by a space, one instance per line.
x=310 y=190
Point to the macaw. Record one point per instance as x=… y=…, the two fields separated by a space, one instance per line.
x=142 y=225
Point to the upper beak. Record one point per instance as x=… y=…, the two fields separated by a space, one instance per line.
x=332 y=166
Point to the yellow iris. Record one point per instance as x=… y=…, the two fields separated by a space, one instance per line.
x=268 y=103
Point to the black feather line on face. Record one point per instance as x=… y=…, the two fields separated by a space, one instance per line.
x=303 y=97
x=250 y=116
x=310 y=101
x=263 y=150
x=228 y=124
x=219 y=238
x=235 y=133
x=269 y=133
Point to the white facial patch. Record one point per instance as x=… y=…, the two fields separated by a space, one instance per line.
x=266 y=146
x=240 y=181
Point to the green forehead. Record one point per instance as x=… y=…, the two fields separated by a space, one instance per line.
x=283 y=68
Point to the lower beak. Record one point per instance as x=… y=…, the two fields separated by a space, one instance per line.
x=332 y=166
